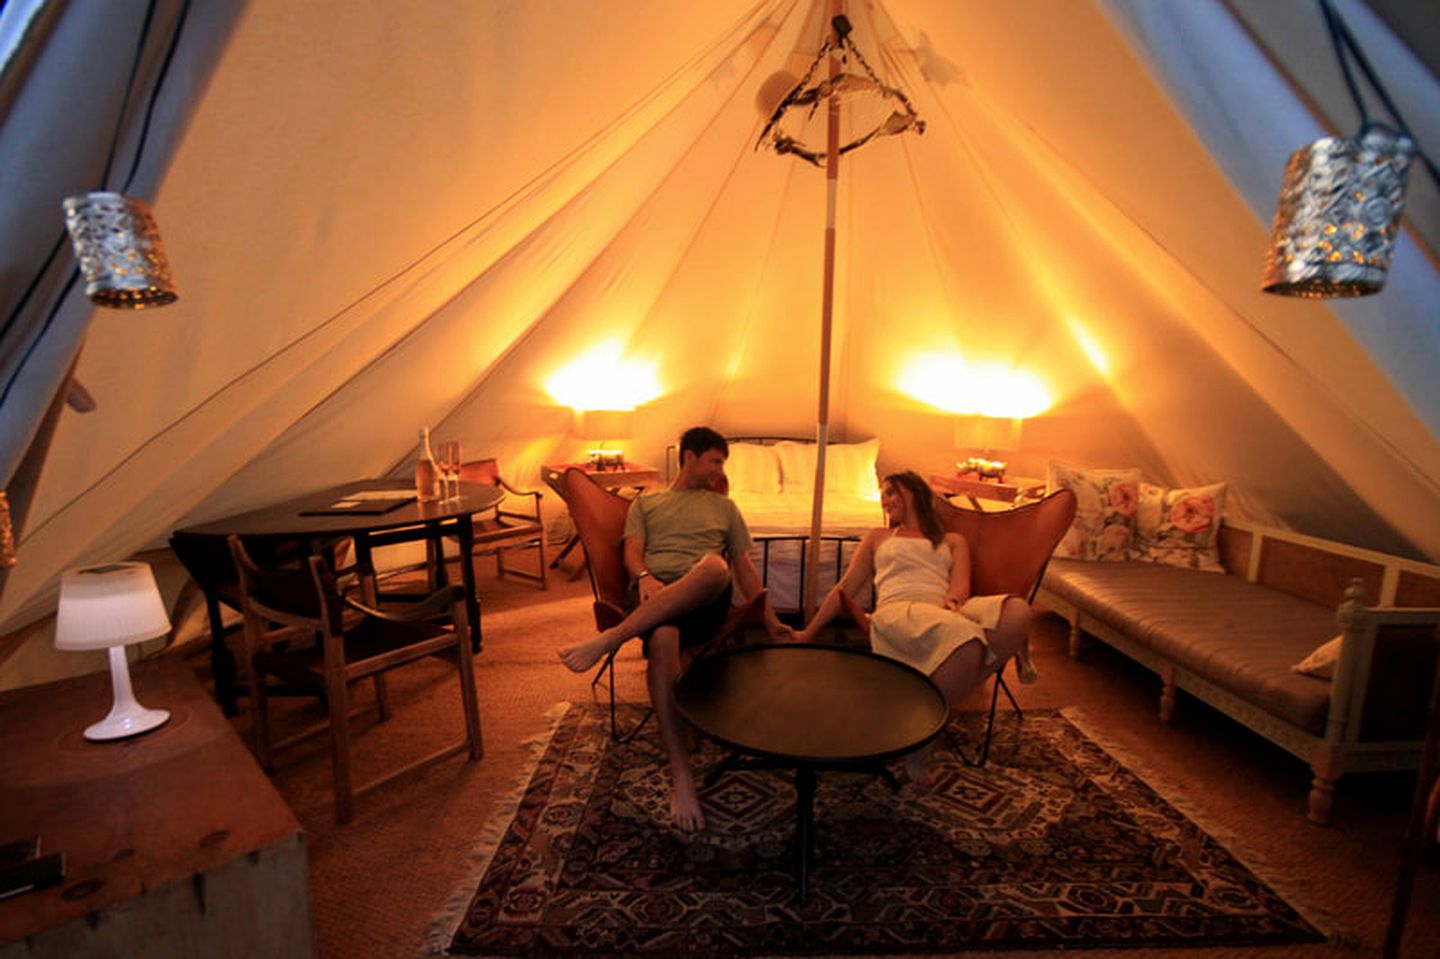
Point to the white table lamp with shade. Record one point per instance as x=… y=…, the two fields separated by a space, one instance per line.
x=112 y=606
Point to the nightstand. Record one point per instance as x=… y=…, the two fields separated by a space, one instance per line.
x=1011 y=489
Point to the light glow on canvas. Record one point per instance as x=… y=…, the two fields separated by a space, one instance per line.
x=947 y=382
x=1089 y=346
x=604 y=379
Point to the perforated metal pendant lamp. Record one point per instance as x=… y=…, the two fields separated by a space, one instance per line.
x=1338 y=216
x=118 y=247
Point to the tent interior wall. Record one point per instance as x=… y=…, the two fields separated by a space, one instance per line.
x=478 y=216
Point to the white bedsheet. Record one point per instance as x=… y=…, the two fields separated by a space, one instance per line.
x=788 y=515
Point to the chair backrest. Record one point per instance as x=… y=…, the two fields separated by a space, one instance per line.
x=599 y=517
x=1009 y=549
x=482 y=472
x=303 y=595
x=210 y=563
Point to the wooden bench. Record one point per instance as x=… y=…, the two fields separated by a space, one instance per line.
x=1231 y=639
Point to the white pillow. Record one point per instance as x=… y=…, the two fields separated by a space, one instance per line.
x=797 y=464
x=753 y=468
x=850 y=469
x=1321 y=661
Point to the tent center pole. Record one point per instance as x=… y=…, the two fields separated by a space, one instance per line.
x=827 y=310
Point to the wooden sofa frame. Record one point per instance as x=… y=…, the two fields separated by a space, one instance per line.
x=1316 y=570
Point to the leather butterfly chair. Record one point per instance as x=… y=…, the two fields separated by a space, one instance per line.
x=284 y=607
x=1009 y=550
x=599 y=517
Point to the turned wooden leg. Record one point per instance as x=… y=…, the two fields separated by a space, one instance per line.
x=1075 y=635
x=1327 y=768
x=1322 y=799
x=1167 y=694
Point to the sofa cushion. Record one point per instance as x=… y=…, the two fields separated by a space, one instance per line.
x=1180 y=527
x=1242 y=637
x=1105 y=501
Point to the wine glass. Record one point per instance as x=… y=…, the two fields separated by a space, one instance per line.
x=450 y=466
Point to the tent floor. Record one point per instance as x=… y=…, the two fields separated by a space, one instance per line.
x=376 y=884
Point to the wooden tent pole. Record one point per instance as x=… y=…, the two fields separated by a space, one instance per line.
x=827 y=309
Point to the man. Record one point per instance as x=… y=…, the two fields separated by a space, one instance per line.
x=686 y=549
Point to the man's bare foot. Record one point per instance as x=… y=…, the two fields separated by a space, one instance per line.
x=581 y=656
x=917 y=767
x=684 y=801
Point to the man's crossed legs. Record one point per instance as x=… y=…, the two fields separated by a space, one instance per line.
x=705 y=581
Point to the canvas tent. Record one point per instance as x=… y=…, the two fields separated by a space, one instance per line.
x=383 y=215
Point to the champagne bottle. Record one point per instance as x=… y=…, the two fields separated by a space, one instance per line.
x=427 y=473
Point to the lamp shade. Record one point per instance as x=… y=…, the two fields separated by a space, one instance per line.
x=607 y=424
x=1338 y=215
x=988 y=432
x=118 y=246
x=115 y=604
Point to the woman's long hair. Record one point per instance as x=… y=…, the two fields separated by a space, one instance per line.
x=924 y=501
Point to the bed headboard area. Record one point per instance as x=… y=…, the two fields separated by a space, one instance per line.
x=779 y=464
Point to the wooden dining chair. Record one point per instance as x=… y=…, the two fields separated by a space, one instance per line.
x=1009 y=550
x=300 y=627
x=211 y=565
x=515 y=523
x=599 y=518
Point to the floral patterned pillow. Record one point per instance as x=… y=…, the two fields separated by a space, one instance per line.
x=1180 y=527
x=1104 y=511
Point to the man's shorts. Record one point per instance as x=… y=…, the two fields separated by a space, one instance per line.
x=700 y=625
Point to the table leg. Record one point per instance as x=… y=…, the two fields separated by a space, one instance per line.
x=466 y=531
x=369 y=593
x=804 y=826
x=222 y=661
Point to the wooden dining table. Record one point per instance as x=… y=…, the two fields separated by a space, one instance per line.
x=314 y=519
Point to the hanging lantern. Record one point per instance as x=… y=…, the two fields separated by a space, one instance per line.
x=1338 y=216
x=119 y=249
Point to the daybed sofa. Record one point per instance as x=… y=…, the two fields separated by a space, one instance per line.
x=1232 y=639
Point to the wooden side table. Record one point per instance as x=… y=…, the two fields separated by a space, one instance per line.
x=635 y=476
x=974 y=488
x=176 y=844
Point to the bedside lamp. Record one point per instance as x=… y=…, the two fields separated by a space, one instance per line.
x=605 y=425
x=988 y=434
x=110 y=607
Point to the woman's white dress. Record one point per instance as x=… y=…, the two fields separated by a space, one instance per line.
x=910 y=622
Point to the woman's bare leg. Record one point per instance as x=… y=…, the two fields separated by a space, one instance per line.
x=965 y=669
x=699 y=586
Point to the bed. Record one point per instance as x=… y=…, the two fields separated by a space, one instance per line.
x=772 y=480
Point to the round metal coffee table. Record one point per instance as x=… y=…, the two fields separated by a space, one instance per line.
x=811 y=708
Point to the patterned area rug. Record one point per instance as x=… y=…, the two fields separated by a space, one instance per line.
x=1054 y=844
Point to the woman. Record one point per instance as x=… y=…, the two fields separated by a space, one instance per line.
x=924 y=613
